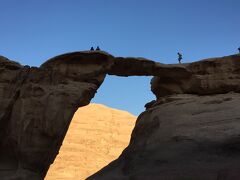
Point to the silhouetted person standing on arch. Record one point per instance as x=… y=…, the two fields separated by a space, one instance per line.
x=98 y=49
x=179 y=57
x=92 y=49
x=239 y=50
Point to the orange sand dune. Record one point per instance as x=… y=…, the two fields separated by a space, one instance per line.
x=97 y=135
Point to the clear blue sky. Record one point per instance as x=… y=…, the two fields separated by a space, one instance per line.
x=31 y=31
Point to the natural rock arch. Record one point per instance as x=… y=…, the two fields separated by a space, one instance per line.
x=38 y=103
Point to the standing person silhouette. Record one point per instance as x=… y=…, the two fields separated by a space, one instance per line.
x=179 y=57
x=98 y=49
x=239 y=50
x=92 y=49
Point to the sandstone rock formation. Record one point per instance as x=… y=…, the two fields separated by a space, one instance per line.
x=38 y=105
x=96 y=136
x=209 y=76
x=188 y=137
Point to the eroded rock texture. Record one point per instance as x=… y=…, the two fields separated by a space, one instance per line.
x=188 y=137
x=37 y=105
x=209 y=76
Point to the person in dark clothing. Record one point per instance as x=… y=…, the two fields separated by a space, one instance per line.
x=179 y=57
x=92 y=49
x=98 y=49
x=239 y=50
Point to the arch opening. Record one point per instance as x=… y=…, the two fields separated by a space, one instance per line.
x=99 y=132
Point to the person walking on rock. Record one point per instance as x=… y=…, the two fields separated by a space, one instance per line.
x=179 y=57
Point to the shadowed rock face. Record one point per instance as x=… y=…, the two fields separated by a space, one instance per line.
x=210 y=76
x=190 y=137
x=38 y=104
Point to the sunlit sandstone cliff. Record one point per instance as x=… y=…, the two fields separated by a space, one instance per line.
x=97 y=135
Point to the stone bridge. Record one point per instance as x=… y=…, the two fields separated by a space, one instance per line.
x=38 y=103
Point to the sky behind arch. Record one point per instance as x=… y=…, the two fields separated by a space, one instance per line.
x=33 y=31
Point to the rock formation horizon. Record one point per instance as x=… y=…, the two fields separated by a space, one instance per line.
x=194 y=115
